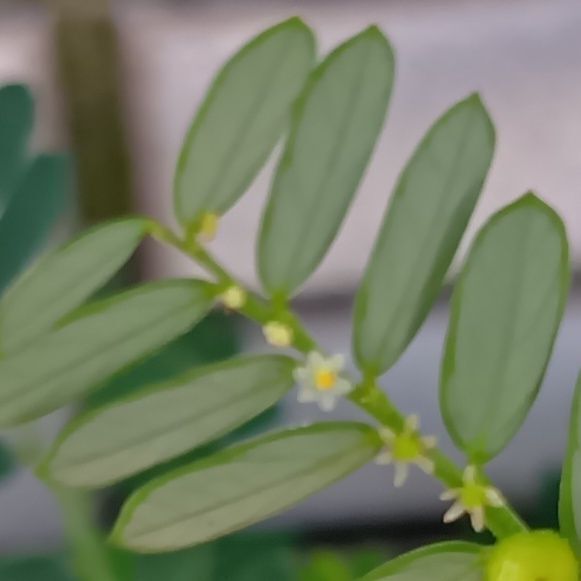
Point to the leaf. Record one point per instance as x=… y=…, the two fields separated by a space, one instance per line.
x=427 y=215
x=243 y=115
x=254 y=556
x=7 y=462
x=64 y=279
x=31 y=214
x=335 y=126
x=33 y=568
x=452 y=561
x=16 y=120
x=241 y=485
x=505 y=313
x=168 y=419
x=326 y=566
x=570 y=494
x=100 y=340
x=198 y=563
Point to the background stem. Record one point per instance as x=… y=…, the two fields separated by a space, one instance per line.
x=91 y=560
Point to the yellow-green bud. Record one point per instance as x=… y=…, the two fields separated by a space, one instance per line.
x=536 y=556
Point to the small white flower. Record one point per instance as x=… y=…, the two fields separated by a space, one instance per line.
x=321 y=381
x=406 y=448
x=278 y=334
x=472 y=499
x=233 y=297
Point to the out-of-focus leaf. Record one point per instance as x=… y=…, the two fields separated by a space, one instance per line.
x=570 y=495
x=453 y=561
x=199 y=564
x=326 y=566
x=254 y=557
x=63 y=280
x=243 y=115
x=506 y=310
x=241 y=485
x=37 y=202
x=42 y=568
x=335 y=126
x=108 y=444
x=7 y=462
x=427 y=215
x=16 y=120
x=99 y=341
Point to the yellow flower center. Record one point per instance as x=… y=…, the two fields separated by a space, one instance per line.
x=536 y=556
x=473 y=496
x=406 y=448
x=325 y=379
x=208 y=226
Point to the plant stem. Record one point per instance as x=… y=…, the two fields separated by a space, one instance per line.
x=91 y=561
x=501 y=522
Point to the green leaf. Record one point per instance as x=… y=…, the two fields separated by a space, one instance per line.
x=241 y=485
x=7 y=462
x=100 y=340
x=326 y=566
x=113 y=442
x=63 y=280
x=31 y=214
x=198 y=564
x=452 y=561
x=335 y=126
x=427 y=215
x=248 y=556
x=244 y=114
x=505 y=313
x=570 y=495
x=16 y=120
x=33 y=568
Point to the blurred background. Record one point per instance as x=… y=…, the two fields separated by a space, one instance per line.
x=116 y=83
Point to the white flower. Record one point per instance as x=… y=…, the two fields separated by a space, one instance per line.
x=406 y=448
x=233 y=297
x=472 y=498
x=320 y=380
x=278 y=334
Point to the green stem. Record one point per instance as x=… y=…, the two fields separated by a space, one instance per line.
x=502 y=522
x=89 y=553
x=91 y=560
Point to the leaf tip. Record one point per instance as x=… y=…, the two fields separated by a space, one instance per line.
x=375 y=34
x=532 y=200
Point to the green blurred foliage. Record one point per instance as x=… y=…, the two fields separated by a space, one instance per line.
x=35 y=568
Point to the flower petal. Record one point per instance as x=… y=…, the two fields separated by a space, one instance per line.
x=384 y=458
x=336 y=362
x=425 y=464
x=327 y=403
x=412 y=424
x=386 y=434
x=456 y=511
x=343 y=386
x=315 y=360
x=494 y=498
x=429 y=442
x=402 y=471
x=306 y=396
x=477 y=519
x=451 y=494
